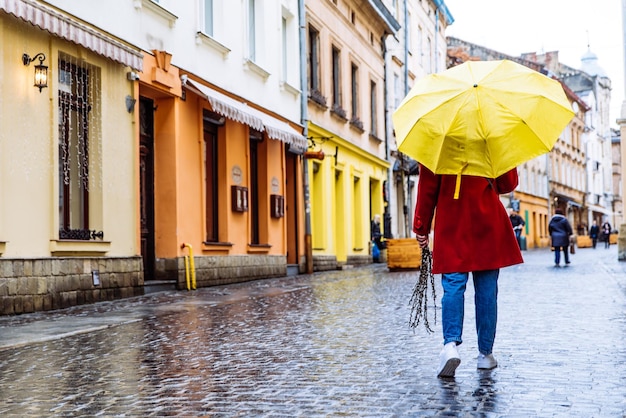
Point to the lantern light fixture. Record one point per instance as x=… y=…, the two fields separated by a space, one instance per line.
x=41 y=71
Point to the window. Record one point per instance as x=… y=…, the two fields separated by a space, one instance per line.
x=211 y=160
x=429 y=58
x=354 y=82
x=409 y=40
x=252 y=30
x=420 y=39
x=79 y=112
x=373 y=109
x=313 y=58
x=397 y=91
x=290 y=51
x=208 y=15
x=336 y=55
x=285 y=51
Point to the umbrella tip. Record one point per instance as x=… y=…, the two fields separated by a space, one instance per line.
x=475 y=85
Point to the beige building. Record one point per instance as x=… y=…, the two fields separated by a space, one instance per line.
x=567 y=170
x=346 y=91
x=581 y=183
x=68 y=213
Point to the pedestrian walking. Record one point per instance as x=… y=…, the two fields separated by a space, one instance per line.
x=594 y=232
x=472 y=233
x=376 y=238
x=606 y=234
x=560 y=231
x=517 y=222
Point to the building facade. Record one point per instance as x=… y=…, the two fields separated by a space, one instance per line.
x=589 y=141
x=417 y=50
x=346 y=126
x=160 y=138
x=69 y=213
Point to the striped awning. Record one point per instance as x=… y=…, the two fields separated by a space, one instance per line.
x=240 y=112
x=64 y=27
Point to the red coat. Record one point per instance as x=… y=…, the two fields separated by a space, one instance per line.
x=473 y=232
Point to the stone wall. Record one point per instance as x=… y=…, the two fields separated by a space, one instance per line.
x=359 y=260
x=30 y=285
x=220 y=270
x=324 y=263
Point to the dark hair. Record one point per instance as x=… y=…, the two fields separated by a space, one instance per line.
x=559 y=211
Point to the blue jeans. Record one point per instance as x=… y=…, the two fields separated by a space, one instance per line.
x=485 y=303
x=557 y=254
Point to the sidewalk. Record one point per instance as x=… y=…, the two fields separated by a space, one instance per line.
x=328 y=344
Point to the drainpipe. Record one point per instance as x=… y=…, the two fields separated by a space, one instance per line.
x=406 y=48
x=304 y=94
x=406 y=200
x=436 y=39
x=388 y=133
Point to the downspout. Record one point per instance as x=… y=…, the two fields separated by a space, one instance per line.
x=405 y=179
x=406 y=49
x=383 y=42
x=388 y=133
x=436 y=39
x=304 y=94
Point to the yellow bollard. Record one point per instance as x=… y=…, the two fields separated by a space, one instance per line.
x=190 y=265
x=187 y=272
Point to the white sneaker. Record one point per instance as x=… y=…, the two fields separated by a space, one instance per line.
x=487 y=362
x=449 y=360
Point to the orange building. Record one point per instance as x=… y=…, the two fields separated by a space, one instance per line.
x=218 y=177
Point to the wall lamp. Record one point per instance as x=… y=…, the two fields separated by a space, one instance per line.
x=41 y=71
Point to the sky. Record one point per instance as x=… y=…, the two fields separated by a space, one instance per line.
x=570 y=27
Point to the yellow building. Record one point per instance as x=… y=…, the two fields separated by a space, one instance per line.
x=346 y=81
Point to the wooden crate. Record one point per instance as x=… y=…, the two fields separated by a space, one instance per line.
x=403 y=254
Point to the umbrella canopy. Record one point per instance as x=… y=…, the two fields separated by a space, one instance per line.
x=481 y=118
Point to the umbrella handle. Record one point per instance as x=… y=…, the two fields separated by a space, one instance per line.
x=457 y=186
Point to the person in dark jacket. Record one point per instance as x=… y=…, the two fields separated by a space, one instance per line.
x=376 y=238
x=517 y=222
x=560 y=231
x=606 y=234
x=594 y=232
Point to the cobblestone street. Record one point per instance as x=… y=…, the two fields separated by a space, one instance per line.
x=328 y=344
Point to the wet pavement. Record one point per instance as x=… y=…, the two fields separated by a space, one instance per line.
x=330 y=344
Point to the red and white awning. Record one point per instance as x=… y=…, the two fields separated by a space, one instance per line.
x=64 y=27
x=240 y=112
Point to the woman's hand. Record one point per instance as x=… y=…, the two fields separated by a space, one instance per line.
x=422 y=240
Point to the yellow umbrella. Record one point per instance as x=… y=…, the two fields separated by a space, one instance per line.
x=481 y=118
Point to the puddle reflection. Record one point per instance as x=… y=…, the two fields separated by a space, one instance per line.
x=480 y=401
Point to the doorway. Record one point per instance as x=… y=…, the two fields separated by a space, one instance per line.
x=146 y=185
x=291 y=209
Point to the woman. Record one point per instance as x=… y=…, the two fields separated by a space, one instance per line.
x=560 y=231
x=472 y=233
x=606 y=234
